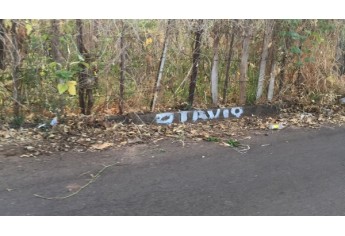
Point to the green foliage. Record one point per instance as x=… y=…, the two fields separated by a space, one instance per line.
x=309 y=59
x=233 y=143
x=40 y=75
x=17 y=121
x=325 y=26
x=212 y=139
x=294 y=35
x=314 y=31
x=147 y=24
x=65 y=75
x=253 y=77
x=294 y=23
x=296 y=50
x=315 y=97
x=62 y=88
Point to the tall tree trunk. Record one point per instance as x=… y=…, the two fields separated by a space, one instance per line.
x=228 y=64
x=55 y=43
x=248 y=30
x=282 y=72
x=272 y=58
x=340 y=55
x=262 y=70
x=284 y=53
x=90 y=101
x=283 y=64
x=96 y=33
x=214 y=70
x=300 y=77
x=123 y=68
x=272 y=80
x=340 y=50
x=83 y=73
x=2 y=45
x=161 y=68
x=196 y=59
x=86 y=80
x=57 y=56
x=15 y=70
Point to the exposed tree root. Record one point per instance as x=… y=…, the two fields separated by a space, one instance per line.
x=92 y=180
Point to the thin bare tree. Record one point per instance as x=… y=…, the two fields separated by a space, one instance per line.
x=285 y=44
x=228 y=62
x=214 y=70
x=267 y=42
x=55 y=43
x=248 y=30
x=272 y=80
x=196 y=58
x=2 y=45
x=16 y=58
x=161 y=67
x=85 y=82
x=122 y=66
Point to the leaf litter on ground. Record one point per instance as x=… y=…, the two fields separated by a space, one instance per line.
x=95 y=133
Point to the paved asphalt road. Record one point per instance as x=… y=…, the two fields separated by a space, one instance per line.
x=288 y=172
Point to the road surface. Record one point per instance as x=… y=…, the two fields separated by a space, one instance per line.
x=286 y=172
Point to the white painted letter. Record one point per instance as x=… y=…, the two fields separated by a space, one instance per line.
x=237 y=111
x=183 y=116
x=212 y=115
x=199 y=114
x=226 y=113
x=164 y=118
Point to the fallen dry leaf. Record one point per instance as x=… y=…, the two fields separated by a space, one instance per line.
x=30 y=148
x=102 y=146
x=134 y=140
x=73 y=187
